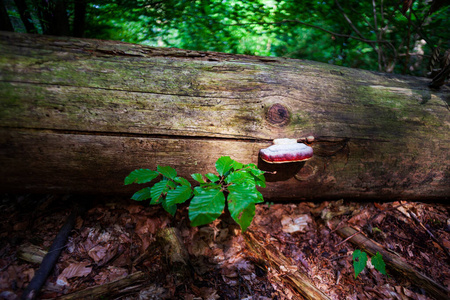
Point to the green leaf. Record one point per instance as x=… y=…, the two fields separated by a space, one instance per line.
x=255 y=171
x=240 y=177
x=212 y=177
x=167 y=172
x=359 y=261
x=237 y=165
x=378 y=262
x=198 y=177
x=178 y=195
x=241 y=203
x=171 y=209
x=159 y=190
x=210 y=185
x=223 y=165
x=206 y=206
x=260 y=181
x=245 y=216
x=182 y=181
x=141 y=195
x=141 y=176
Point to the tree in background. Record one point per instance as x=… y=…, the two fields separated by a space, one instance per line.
x=385 y=35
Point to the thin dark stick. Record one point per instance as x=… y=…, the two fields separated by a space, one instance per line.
x=51 y=257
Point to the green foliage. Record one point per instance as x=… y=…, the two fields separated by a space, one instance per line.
x=234 y=187
x=378 y=263
x=360 y=260
x=371 y=35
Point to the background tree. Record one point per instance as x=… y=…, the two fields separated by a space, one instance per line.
x=385 y=35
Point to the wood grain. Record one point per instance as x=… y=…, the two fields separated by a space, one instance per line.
x=77 y=115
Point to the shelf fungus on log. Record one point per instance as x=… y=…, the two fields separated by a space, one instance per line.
x=285 y=151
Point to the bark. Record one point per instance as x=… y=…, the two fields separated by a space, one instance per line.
x=5 y=22
x=53 y=16
x=25 y=16
x=78 y=115
x=79 y=19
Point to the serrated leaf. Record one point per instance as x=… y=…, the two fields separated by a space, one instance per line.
x=240 y=177
x=244 y=217
x=359 y=261
x=260 y=181
x=256 y=172
x=142 y=195
x=159 y=190
x=206 y=206
x=378 y=263
x=167 y=172
x=241 y=203
x=141 y=176
x=237 y=165
x=252 y=166
x=210 y=185
x=198 y=177
x=178 y=195
x=212 y=177
x=223 y=165
x=182 y=181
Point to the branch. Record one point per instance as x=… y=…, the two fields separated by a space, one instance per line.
x=312 y=26
x=350 y=22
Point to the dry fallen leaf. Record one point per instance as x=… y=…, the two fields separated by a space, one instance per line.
x=73 y=270
x=295 y=223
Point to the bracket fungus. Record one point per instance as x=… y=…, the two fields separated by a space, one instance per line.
x=286 y=151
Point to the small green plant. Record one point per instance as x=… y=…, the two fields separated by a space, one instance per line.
x=235 y=186
x=360 y=260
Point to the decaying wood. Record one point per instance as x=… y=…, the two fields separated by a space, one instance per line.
x=176 y=254
x=129 y=285
x=31 y=253
x=395 y=262
x=285 y=272
x=77 y=115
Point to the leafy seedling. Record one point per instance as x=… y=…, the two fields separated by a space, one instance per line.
x=360 y=261
x=234 y=185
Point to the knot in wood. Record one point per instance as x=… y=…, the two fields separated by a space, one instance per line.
x=278 y=115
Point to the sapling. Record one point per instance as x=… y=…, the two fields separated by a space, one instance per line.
x=360 y=260
x=234 y=185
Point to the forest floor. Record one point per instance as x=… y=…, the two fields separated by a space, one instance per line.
x=115 y=250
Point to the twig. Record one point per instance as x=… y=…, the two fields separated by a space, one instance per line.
x=50 y=259
x=313 y=26
x=341 y=242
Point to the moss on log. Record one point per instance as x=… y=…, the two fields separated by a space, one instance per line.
x=77 y=115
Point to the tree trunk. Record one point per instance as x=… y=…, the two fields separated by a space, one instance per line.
x=5 y=22
x=79 y=19
x=78 y=115
x=25 y=16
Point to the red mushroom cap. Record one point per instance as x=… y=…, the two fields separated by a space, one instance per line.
x=286 y=150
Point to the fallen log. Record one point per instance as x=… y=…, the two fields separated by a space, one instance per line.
x=285 y=272
x=77 y=115
x=132 y=284
x=395 y=263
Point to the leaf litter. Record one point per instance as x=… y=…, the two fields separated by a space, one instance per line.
x=117 y=238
